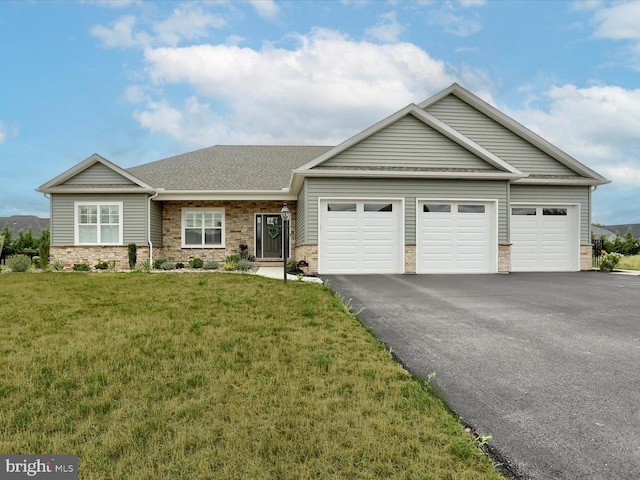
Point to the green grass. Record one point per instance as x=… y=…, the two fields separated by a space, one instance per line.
x=629 y=263
x=205 y=376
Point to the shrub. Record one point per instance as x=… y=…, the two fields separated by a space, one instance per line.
x=609 y=261
x=143 y=267
x=244 y=265
x=44 y=247
x=101 y=266
x=233 y=258
x=157 y=264
x=36 y=261
x=19 y=263
x=196 y=263
x=230 y=266
x=213 y=265
x=133 y=255
x=81 y=267
x=168 y=266
x=179 y=265
x=112 y=266
x=58 y=266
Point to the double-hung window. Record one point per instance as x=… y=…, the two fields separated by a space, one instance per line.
x=98 y=223
x=203 y=228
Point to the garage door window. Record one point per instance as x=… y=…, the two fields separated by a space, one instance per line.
x=523 y=211
x=341 y=207
x=470 y=208
x=378 y=207
x=554 y=211
x=436 y=208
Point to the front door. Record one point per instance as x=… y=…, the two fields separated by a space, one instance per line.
x=269 y=236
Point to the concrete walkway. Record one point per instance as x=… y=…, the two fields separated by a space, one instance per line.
x=278 y=272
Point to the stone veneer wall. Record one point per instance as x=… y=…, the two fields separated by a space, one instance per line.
x=92 y=255
x=586 y=257
x=239 y=228
x=504 y=258
x=410 y=258
x=309 y=253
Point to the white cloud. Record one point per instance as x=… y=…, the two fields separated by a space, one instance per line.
x=185 y=23
x=305 y=95
x=459 y=25
x=597 y=125
x=265 y=8
x=620 y=21
x=388 y=28
x=7 y=131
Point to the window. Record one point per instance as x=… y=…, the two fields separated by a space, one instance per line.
x=378 y=207
x=98 y=223
x=554 y=211
x=523 y=211
x=470 y=208
x=203 y=228
x=341 y=207
x=437 y=207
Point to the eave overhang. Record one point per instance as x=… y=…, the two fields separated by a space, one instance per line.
x=561 y=181
x=191 y=195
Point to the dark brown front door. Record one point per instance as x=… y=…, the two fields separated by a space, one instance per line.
x=271 y=236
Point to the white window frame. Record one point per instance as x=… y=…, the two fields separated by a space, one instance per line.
x=76 y=222
x=202 y=211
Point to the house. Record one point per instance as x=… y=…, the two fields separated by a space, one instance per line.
x=450 y=185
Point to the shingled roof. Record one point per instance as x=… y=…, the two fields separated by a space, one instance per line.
x=228 y=167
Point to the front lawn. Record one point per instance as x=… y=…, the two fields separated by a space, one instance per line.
x=203 y=376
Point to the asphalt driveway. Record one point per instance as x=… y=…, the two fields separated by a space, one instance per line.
x=548 y=364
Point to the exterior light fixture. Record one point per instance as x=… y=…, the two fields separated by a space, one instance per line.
x=286 y=217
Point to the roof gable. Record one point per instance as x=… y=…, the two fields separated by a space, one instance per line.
x=407 y=143
x=505 y=137
x=94 y=174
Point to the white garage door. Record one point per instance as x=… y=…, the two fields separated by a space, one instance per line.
x=456 y=237
x=544 y=239
x=360 y=236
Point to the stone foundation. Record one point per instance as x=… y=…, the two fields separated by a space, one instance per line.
x=410 y=258
x=308 y=253
x=586 y=257
x=504 y=258
x=239 y=228
x=92 y=255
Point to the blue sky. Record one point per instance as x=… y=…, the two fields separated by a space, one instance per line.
x=139 y=81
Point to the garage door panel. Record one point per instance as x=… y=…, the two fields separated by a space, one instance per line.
x=456 y=242
x=544 y=242
x=362 y=241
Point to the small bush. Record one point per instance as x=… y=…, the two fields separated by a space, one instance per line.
x=133 y=255
x=101 y=266
x=609 y=261
x=213 y=265
x=81 y=267
x=157 y=264
x=196 y=263
x=143 y=267
x=233 y=258
x=179 y=265
x=36 y=261
x=244 y=265
x=19 y=263
x=168 y=266
x=58 y=266
x=230 y=266
x=112 y=266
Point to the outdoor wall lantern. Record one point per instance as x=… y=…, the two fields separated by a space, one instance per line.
x=286 y=216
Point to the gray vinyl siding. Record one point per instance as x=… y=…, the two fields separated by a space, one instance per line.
x=156 y=223
x=496 y=138
x=301 y=215
x=98 y=174
x=134 y=216
x=408 y=189
x=560 y=195
x=407 y=143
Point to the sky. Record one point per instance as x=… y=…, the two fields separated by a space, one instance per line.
x=137 y=81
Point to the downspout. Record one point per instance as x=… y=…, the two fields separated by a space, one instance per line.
x=149 y=227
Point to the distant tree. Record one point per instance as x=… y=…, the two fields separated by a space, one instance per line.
x=25 y=241
x=8 y=243
x=630 y=245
